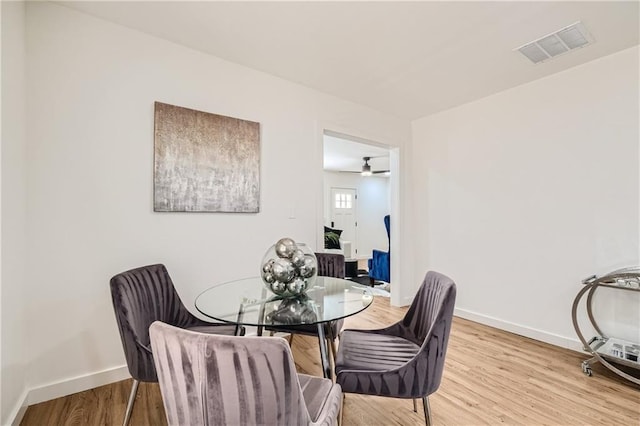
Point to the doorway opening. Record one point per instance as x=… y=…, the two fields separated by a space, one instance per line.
x=357 y=195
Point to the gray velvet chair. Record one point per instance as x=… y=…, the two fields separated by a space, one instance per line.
x=207 y=379
x=141 y=296
x=404 y=360
x=329 y=265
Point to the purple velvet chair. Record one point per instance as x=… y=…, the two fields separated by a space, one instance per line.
x=141 y=296
x=404 y=360
x=226 y=380
x=329 y=265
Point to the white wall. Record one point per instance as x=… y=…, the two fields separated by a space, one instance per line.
x=91 y=88
x=373 y=206
x=527 y=192
x=507 y=195
x=12 y=213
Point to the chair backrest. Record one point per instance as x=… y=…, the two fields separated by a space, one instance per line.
x=434 y=301
x=330 y=265
x=141 y=296
x=387 y=226
x=428 y=324
x=208 y=379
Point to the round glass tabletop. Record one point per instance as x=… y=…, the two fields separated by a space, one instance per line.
x=248 y=302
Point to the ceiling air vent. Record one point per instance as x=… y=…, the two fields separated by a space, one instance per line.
x=555 y=44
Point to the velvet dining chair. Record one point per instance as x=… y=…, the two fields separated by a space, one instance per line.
x=329 y=265
x=406 y=359
x=141 y=296
x=209 y=379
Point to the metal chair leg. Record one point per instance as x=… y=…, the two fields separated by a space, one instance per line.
x=427 y=411
x=132 y=399
x=415 y=405
x=332 y=358
x=334 y=352
x=331 y=339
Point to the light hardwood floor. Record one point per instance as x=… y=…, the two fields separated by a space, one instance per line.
x=491 y=377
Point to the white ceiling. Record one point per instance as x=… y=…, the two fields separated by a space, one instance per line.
x=409 y=59
x=345 y=155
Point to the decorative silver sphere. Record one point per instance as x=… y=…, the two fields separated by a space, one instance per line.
x=297 y=286
x=298 y=258
x=268 y=277
x=285 y=248
x=288 y=269
x=283 y=270
x=267 y=268
x=277 y=287
x=309 y=267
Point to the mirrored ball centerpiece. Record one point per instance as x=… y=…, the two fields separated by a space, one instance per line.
x=289 y=268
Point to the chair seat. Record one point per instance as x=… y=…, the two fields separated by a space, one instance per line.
x=315 y=391
x=373 y=352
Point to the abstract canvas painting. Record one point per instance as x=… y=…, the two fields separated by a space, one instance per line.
x=205 y=162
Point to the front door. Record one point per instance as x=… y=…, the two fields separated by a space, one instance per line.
x=343 y=214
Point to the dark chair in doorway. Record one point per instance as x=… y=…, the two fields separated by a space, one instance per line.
x=379 y=264
x=329 y=265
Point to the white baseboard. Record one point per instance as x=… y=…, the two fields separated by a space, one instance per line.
x=16 y=415
x=64 y=388
x=543 y=336
x=77 y=384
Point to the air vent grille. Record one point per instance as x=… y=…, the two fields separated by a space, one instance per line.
x=562 y=41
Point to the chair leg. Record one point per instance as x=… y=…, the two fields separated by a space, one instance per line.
x=415 y=405
x=132 y=399
x=427 y=411
x=340 y=421
x=331 y=339
x=334 y=352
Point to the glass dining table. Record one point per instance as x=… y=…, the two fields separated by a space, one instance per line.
x=247 y=302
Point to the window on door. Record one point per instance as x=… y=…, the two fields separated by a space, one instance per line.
x=343 y=201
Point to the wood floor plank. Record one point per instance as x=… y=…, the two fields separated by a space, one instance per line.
x=491 y=377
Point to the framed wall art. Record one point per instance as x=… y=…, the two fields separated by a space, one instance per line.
x=205 y=162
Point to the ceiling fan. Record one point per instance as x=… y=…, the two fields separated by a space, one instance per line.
x=366 y=168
